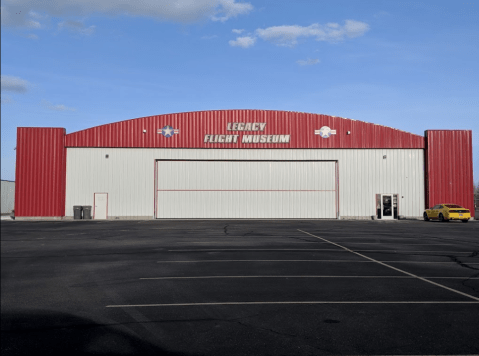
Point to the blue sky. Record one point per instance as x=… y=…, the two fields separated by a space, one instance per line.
x=81 y=63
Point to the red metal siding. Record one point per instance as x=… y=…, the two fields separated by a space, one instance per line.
x=194 y=126
x=449 y=168
x=40 y=172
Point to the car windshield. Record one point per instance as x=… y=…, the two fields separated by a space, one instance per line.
x=453 y=206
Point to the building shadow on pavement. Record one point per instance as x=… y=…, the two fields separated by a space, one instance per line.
x=27 y=332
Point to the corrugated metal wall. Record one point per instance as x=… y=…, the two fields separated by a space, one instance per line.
x=40 y=172
x=449 y=175
x=193 y=126
x=357 y=146
x=127 y=175
x=8 y=196
x=246 y=189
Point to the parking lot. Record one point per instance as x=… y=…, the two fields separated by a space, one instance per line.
x=239 y=287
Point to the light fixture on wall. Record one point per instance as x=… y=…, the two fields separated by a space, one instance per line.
x=384 y=157
x=106 y=156
x=144 y=131
x=349 y=132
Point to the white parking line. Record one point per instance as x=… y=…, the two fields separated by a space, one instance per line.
x=308 y=250
x=349 y=261
x=394 y=268
x=254 y=249
x=272 y=303
x=392 y=243
x=249 y=242
x=224 y=277
x=306 y=243
x=206 y=261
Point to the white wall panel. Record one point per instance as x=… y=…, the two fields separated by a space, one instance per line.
x=128 y=175
x=8 y=196
x=245 y=175
x=246 y=205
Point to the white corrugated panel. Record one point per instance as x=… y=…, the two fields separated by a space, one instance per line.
x=246 y=190
x=128 y=176
x=8 y=196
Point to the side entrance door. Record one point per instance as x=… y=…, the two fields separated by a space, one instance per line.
x=387 y=212
x=101 y=206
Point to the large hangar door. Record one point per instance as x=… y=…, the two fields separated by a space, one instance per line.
x=246 y=190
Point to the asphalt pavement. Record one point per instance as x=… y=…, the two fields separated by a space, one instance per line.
x=239 y=288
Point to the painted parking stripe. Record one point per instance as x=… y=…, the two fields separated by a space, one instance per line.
x=258 y=242
x=253 y=249
x=206 y=261
x=306 y=243
x=308 y=250
x=394 y=268
x=287 y=303
x=349 y=261
x=225 y=277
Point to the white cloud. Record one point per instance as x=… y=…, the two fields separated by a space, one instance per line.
x=243 y=42
x=59 y=107
x=6 y=99
x=287 y=35
x=33 y=24
x=354 y=29
x=15 y=84
x=239 y=32
x=308 y=62
x=31 y=36
x=25 y=13
x=17 y=16
x=36 y=15
x=332 y=25
x=231 y=8
x=77 y=26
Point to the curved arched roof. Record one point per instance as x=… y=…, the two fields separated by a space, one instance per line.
x=145 y=132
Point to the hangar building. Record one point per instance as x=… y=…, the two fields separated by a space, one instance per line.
x=241 y=164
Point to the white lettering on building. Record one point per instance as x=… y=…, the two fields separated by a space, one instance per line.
x=221 y=138
x=247 y=126
x=266 y=139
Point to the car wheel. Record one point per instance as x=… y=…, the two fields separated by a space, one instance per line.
x=441 y=218
x=426 y=218
x=465 y=221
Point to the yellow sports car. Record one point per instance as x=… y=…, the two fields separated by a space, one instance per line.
x=446 y=212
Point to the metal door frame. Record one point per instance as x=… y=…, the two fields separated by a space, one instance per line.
x=392 y=207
